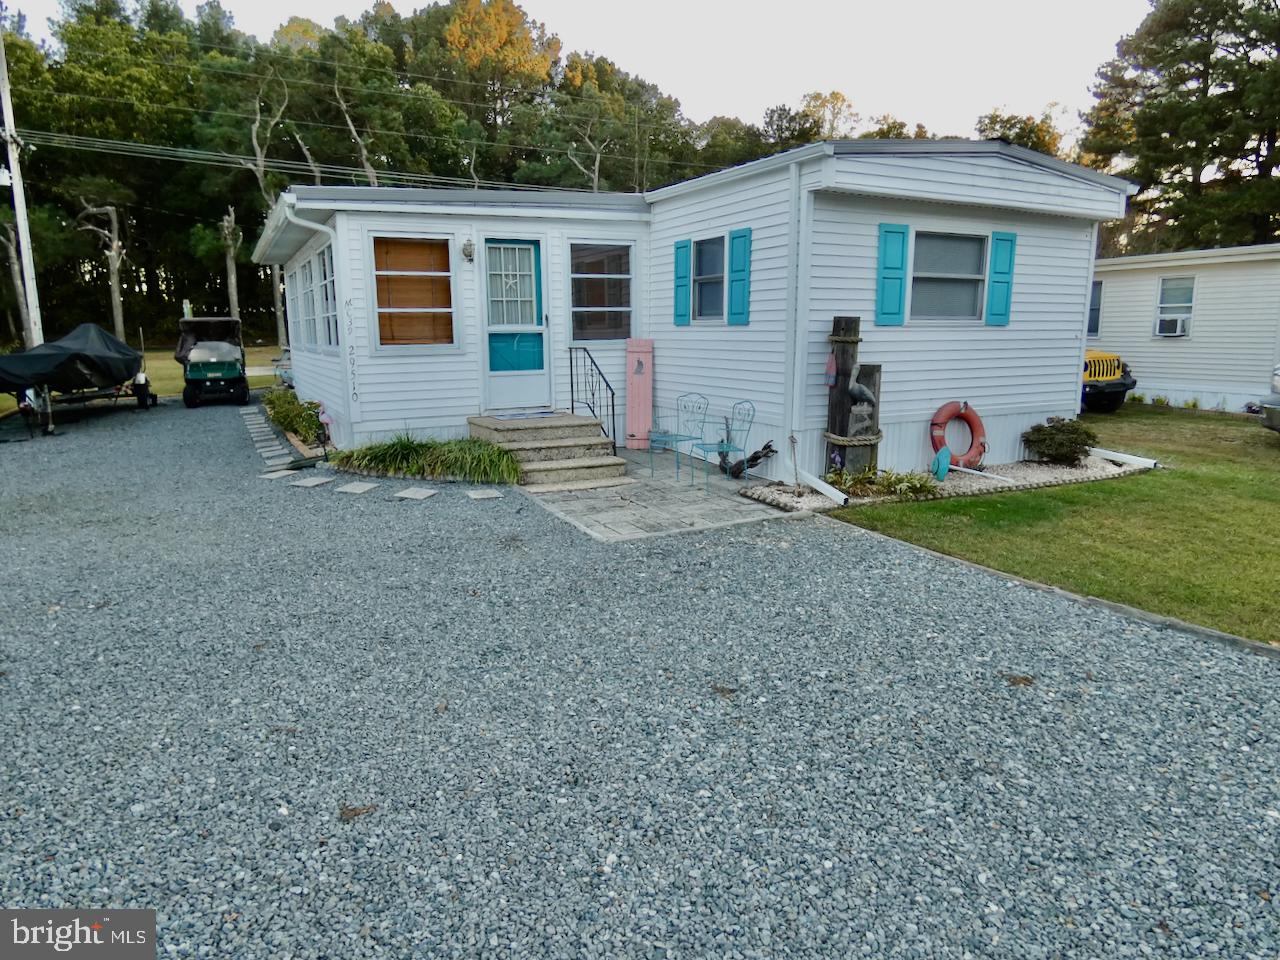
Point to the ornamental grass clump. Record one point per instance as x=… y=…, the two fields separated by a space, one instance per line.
x=870 y=482
x=470 y=459
x=1059 y=441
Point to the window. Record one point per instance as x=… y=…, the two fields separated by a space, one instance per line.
x=415 y=299
x=291 y=289
x=328 y=298
x=600 y=275
x=947 y=277
x=1095 y=308
x=1173 y=317
x=307 y=291
x=708 y=279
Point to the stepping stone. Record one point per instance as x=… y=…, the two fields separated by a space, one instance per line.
x=275 y=463
x=311 y=482
x=276 y=474
x=358 y=487
x=484 y=495
x=415 y=493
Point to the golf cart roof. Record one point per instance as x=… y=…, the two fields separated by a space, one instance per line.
x=193 y=330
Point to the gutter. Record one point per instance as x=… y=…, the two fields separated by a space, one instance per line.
x=286 y=206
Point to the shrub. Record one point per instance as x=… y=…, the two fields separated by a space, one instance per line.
x=1192 y=404
x=1137 y=398
x=1159 y=401
x=293 y=415
x=477 y=461
x=1060 y=441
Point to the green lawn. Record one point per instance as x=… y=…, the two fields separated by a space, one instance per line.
x=1199 y=541
x=166 y=373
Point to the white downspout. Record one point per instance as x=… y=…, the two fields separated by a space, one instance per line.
x=794 y=375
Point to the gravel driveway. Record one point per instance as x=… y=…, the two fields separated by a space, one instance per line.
x=305 y=724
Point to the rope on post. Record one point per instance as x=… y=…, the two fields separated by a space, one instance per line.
x=870 y=440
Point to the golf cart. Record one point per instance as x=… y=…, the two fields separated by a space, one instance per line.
x=211 y=352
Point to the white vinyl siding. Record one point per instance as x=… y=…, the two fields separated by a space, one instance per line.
x=1225 y=359
x=986 y=181
x=1014 y=376
x=726 y=363
x=431 y=390
x=319 y=372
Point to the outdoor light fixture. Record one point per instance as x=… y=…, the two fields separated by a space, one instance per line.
x=469 y=250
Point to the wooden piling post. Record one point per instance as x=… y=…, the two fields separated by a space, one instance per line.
x=853 y=430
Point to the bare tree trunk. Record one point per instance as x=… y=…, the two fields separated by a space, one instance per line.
x=311 y=161
x=117 y=302
x=231 y=246
x=13 y=331
x=110 y=237
x=10 y=241
x=369 y=172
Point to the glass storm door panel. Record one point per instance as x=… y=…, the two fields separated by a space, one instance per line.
x=516 y=327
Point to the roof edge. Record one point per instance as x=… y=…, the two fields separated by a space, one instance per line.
x=1257 y=251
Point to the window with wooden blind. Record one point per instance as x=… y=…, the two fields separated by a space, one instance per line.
x=415 y=300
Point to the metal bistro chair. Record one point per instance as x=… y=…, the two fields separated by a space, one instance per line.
x=690 y=425
x=741 y=417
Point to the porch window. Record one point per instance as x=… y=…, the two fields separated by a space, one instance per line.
x=291 y=292
x=1173 y=317
x=415 y=300
x=328 y=298
x=306 y=279
x=947 y=277
x=600 y=275
x=1095 y=308
x=708 y=279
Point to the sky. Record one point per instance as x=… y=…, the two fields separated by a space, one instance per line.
x=937 y=62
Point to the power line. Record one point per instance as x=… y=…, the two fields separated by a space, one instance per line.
x=49 y=138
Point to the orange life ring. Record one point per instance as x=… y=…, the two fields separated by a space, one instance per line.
x=972 y=457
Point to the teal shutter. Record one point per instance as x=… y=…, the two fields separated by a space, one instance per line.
x=739 y=277
x=1000 y=279
x=684 y=255
x=891 y=275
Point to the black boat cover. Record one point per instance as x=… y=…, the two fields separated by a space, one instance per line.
x=86 y=357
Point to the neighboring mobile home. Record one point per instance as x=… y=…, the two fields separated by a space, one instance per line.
x=1197 y=325
x=969 y=262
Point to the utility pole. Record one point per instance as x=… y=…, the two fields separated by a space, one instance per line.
x=35 y=329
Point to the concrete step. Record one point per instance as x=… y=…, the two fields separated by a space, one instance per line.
x=563 y=448
x=559 y=427
x=576 y=468
x=569 y=486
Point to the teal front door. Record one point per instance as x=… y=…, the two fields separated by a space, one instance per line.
x=515 y=326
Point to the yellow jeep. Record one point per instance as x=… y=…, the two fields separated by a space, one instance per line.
x=1107 y=379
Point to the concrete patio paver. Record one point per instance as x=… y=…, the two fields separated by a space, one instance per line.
x=655 y=505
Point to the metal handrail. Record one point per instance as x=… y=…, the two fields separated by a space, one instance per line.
x=595 y=392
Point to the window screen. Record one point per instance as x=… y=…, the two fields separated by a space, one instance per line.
x=948 y=276
x=708 y=279
x=600 y=275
